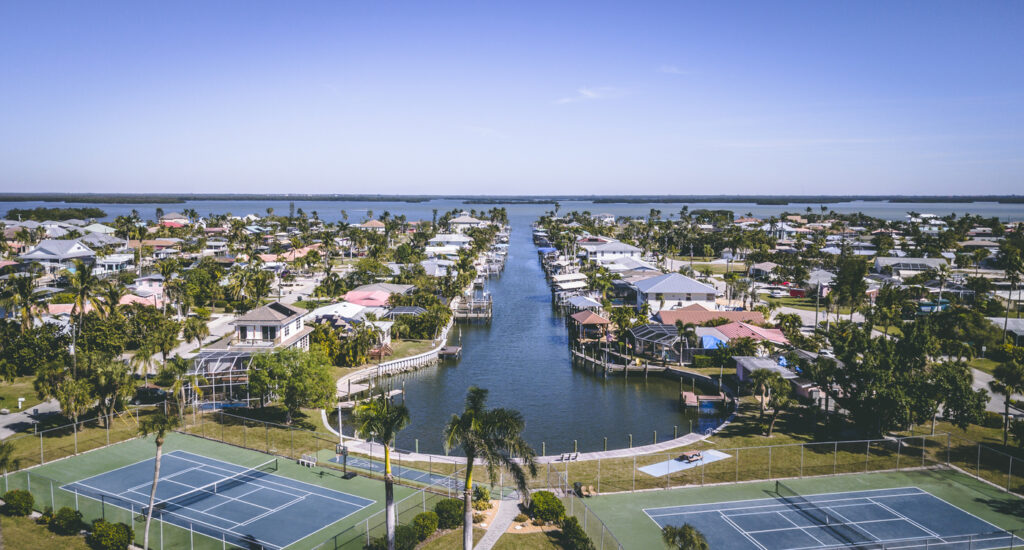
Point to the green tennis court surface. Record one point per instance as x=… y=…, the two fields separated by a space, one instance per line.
x=212 y=495
x=915 y=509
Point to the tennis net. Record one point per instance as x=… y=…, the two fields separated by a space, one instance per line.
x=823 y=518
x=197 y=494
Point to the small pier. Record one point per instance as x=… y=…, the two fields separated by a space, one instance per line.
x=450 y=352
x=691 y=399
x=473 y=308
x=609 y=367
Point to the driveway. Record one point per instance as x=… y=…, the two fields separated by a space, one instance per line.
x=20 y=421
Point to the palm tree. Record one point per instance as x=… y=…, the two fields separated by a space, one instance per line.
x=686 y=537
x=1008 y=380
x=20 y=296
x=195 y=329
x=942 y=273
x=382 y=417
x=83 y=287
x=175 y=374
x=495 y=435
x=156 y=425
x=762 y=381
x=110 y=295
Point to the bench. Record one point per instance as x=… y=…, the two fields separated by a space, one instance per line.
x=308 y=461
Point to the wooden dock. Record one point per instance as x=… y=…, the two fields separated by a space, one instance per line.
x=691 y=399
x=473 y=309
x=450 y=352
x=609 y=367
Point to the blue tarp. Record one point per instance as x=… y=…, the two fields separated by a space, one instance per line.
x=711 y=342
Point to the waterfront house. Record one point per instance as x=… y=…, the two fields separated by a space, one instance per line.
x=590 y=325
x=174 y=217
x=149 y=286
x=113 y=263
x=767 y=337
x=55 y=256
x=463 y=223
x=745 y=366
x=102 y=240
x=456 y=240
x=610 y=251
x=215 y=247
x=698 y=315
x=673 y=290
x=907 y=267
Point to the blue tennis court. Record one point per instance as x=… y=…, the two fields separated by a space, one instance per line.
x=401 y=472
x=888 y=518
x=248 y=507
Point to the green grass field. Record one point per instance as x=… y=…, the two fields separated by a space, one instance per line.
x=45 y=481
x=624 y=515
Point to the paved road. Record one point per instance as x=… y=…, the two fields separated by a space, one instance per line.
x=20 y=421
x=996 y=403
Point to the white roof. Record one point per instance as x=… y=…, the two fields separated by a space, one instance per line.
x=566 y=277
x=571 y=285
x=345 y=310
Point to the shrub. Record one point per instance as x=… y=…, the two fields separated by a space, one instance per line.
x=521 y=518
x=992 y=420
x=481 y=493
x=478 y=517
x=109 y=536
x=46 y=516
x=573 y=536
x=425 y=524
x=66 y=522
x=702 y=361
x=405 y=539
x=481 y=505
x=449 y=513
x=545 y=506
x=18 y=503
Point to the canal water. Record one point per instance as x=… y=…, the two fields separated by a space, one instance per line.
x=522 y=358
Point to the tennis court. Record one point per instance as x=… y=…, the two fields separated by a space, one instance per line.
x=905 y=517
x=401 y=472
x=248 y=507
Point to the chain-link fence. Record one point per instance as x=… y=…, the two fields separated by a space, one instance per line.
x=983 y=462
x=592 y=525
x=46 y=445
x=665 y=470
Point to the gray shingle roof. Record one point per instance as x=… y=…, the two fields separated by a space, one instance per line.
x=272 y=312
x=57 y=249
x=673 y=283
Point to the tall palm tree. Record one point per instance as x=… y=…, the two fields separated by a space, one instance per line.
x=1008 y=380
x=942 y=273
x=762 y=379
x=382 y=417
x=84 y=287
x=156 y=425
x=195 y=329
x=20 y=296
x=494 y=435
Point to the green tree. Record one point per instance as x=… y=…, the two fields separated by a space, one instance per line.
x=1008 y=379
x=157 y=425
x=686 y=537
x=195 y=329
x=495 y=436
x=779 y=399
x=20 y=296
x=380 y=417
x=113 y=384
x=55 y=381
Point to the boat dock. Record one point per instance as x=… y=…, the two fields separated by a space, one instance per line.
x=473 y=308
x=610 y=367
x=690 y=399
x=450 y=352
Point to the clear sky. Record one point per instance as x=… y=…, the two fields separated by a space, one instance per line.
x=820 y=97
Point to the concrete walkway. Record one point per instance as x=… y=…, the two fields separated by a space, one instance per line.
x=508 y=508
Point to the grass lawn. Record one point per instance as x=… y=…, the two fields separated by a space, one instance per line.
x=408 y=348
x=23 y=532
x=984 y=365
x=806 y=304
x=20 y=387
x=452 y=540
x=547 y=540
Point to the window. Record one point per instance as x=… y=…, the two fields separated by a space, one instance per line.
x=269 y=333
x=286 y=330
x=243 y=333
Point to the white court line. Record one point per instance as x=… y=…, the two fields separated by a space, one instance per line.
x=270 y=511
x=741 y=531
x=908 y=520
x=788 y=508
x=263 y=479
x=994 y=527
x=775 y=501
x=816 y=539
x=823 y=525
x=117 y=469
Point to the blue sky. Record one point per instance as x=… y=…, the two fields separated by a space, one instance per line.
x=513 y=98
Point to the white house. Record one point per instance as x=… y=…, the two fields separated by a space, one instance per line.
x=113 y=263
x=99 y=228
x=215 y=247
x=56 y=256
x=376 y=226
x=610 y=251
x=605 y=219
x=673 y=290
x=457 y=240
x=273 y=326
x=463 y=223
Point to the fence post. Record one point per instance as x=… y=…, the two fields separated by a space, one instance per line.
x=802 y=459
x=291 y=442
x=835 y=457
x=221 y=425
x=769 y=462
x=947 y=448
x=598 y=476
x=924 y=449
x=978 y=475
x=634 y=473
x=107 y=423
x=74 y=428
x=867 y=454
x=899 y=447
x=1010 y=471
x=245 y=440
x=161 y=530
x=53 y=504
x=267 y=428
x=737 y=465
x=41 y=459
